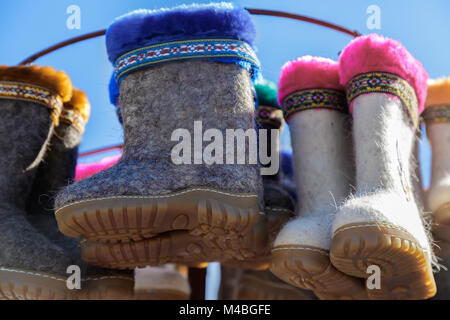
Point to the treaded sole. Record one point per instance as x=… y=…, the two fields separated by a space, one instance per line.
x=441 y=225
x=310 y=268
x=27 y=285
x=178 y=247
x=406 y=271
x=202 y=212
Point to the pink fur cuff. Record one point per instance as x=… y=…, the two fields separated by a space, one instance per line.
x=375 y=53
x=308 y=72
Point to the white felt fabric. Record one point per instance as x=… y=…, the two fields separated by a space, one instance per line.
x=384 y=142
x=322 y=155
x=439 y=191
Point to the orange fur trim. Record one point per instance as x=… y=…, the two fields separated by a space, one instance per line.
x=438 y=92
x=46 y=77
x=77 y=110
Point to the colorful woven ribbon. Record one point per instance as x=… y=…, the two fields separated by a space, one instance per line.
x=74 y=118
x=314 y=99
x=437 y=114
x=32 y=93
x=382 y=82
x=270 y=116
x=223 y=50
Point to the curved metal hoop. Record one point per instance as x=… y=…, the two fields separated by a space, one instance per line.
x=272 y=13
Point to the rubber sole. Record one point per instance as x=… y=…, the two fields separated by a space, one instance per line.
x=202 y=212
x=179 y=247
x=441 y=226
x=406 y=271
x=25 y=285
x=310 y=268
x=253 y=288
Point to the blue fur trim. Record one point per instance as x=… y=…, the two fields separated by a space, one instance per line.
x=113 y=91
x=142 y=28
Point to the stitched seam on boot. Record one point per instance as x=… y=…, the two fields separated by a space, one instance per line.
x=159 y=196
x=63 y=279
x=303 y=248
x=33 y=274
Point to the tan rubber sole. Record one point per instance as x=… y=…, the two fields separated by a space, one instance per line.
x=406 y=271
x=203 y=212
x=26 y=285
x=310 y=268
x=441 y=226
x=253 y=288
x=178 y=247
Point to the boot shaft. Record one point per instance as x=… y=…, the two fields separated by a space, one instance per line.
x=58 y=166
x=315 y=109
x=157 y=101
x=31 y=101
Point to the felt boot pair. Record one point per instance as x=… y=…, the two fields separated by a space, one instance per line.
x=437 y=120
x=42 y=111
x=162 y=203
x=343 y=236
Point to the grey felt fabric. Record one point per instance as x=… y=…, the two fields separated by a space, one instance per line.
x=25 y=130
x=56 y=171
x=155 y=102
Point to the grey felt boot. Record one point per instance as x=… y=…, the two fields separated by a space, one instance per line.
x=56 y=171
x=147 y=193
x=31 y=267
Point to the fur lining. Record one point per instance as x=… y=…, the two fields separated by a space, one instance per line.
x=79 y=103
x=142 y=28
x=84 y=171
x=46 y=77
x=438 y=92
x=376 y=53
x=266 y=92
x=308 y=72
x=114 y=92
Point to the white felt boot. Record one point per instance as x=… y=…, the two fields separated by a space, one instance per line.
x=381 y=224
x=324 y=172
x=437 y=118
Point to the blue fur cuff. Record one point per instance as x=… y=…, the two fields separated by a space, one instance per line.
x=113 y=91
x=142 y=28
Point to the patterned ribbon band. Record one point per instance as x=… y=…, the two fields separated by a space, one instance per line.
x=382 y=82
x=32 y=93
x=225 y=50
x=270 y=116
x=314 y=99
x=437 y=114
x=73 y=117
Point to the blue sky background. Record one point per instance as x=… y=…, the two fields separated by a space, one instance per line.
x=27 y=26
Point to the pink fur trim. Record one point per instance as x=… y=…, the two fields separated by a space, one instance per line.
x=373 y=53
x=308 y=72
x=85 y=170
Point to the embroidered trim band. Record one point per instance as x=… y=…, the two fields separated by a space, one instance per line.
x=32 y=93
x=225 y=50
x=269 y=116
x=382 y=82
x=74 y=118
x=314 y=99
x=437 y=114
